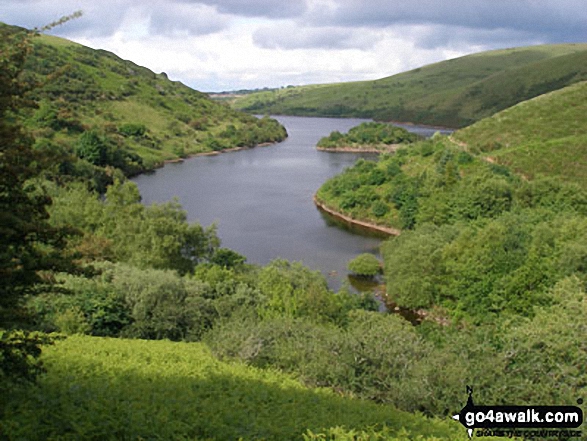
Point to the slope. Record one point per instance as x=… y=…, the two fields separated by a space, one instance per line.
x=99 y=388
x=544 y=136
x=127 y=108
x=452 y=93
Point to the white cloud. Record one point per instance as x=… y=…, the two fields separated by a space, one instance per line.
x=233 y=44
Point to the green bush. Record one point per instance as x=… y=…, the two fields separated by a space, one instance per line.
x=131 y=129
x=365 y=265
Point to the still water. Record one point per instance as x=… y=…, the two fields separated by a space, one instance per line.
x=261 y=199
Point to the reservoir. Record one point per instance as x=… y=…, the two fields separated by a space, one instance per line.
x=261 y=198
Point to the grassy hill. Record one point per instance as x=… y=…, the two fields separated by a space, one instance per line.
x=99 y=388
x=127 y=107
x=453 y=93
x=544 y=136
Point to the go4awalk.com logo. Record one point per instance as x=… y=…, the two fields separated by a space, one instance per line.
x=520 y=421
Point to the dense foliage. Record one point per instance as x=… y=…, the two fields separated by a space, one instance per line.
x=29 y=246
x=452 y=93
x=368 y=136
x=437 y=182
x=386 y=359
x=484 y=241
x=498 y=262
x=364 y=265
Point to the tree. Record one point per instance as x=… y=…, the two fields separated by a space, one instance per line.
x=93 y=148
x=28 y=244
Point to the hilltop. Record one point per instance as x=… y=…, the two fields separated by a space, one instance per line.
x=110 y=111
x=453 y=93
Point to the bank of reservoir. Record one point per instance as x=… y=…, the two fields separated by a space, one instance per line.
x=261 y=198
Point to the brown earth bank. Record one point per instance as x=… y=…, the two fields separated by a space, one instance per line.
x=350 y=220
x=383 y=149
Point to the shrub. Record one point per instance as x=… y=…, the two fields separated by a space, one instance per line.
x=380 y=209
x=131 y=129
x=364 y=265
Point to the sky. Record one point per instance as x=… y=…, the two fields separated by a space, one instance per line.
x=221 y=45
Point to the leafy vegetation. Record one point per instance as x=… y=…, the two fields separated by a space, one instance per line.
x=371 y=136
x=131 y=389
x=386 y=359
x=364 y=265
x=452 y=93
x=479 y=241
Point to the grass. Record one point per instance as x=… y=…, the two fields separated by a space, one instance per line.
x=99 y=388
x=543 y=136
x=453 y=93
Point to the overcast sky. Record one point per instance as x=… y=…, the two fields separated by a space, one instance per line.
x=215 y=45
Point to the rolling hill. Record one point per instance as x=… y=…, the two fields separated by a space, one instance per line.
x=127 y=107
x=453 y=93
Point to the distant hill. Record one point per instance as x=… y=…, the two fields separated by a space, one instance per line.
x=128 y=107
x=544 y=136
x=453 y=93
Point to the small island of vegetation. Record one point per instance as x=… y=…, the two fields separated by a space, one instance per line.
x=374 y=137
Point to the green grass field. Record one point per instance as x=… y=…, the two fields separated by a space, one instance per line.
x=99 y=388
x=453 y=93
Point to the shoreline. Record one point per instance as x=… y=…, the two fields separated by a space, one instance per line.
x=392 y=148
x=211 y=153
x=428 y=126
x=369 y=225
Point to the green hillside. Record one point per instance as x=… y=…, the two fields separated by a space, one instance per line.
x=107 y=110
x=544 y=136
x=453 y=93
x=115 y=389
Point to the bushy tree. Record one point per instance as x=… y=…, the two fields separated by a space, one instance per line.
x=364 y=265
x=158 y=236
